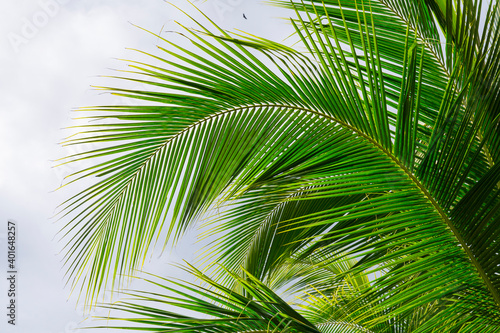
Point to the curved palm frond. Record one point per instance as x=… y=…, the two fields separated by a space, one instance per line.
x=377 y=141
x=262 y=311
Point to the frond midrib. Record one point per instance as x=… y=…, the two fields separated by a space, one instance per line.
x=374 y=142
x=438 y=59
x=423 y=190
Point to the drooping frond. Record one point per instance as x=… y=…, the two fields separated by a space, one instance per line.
x=262 y=311
x=376 y=138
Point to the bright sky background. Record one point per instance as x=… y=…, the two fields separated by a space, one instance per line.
x=51 y=51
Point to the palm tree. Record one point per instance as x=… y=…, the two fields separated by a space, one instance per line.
x=359 y=169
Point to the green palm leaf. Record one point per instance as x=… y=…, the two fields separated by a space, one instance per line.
x=263 y=311
x=377 y=141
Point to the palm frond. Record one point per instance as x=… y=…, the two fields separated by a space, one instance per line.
x=379 y=141
x=262 y=311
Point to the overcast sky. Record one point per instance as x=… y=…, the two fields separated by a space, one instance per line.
x=51 y=51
